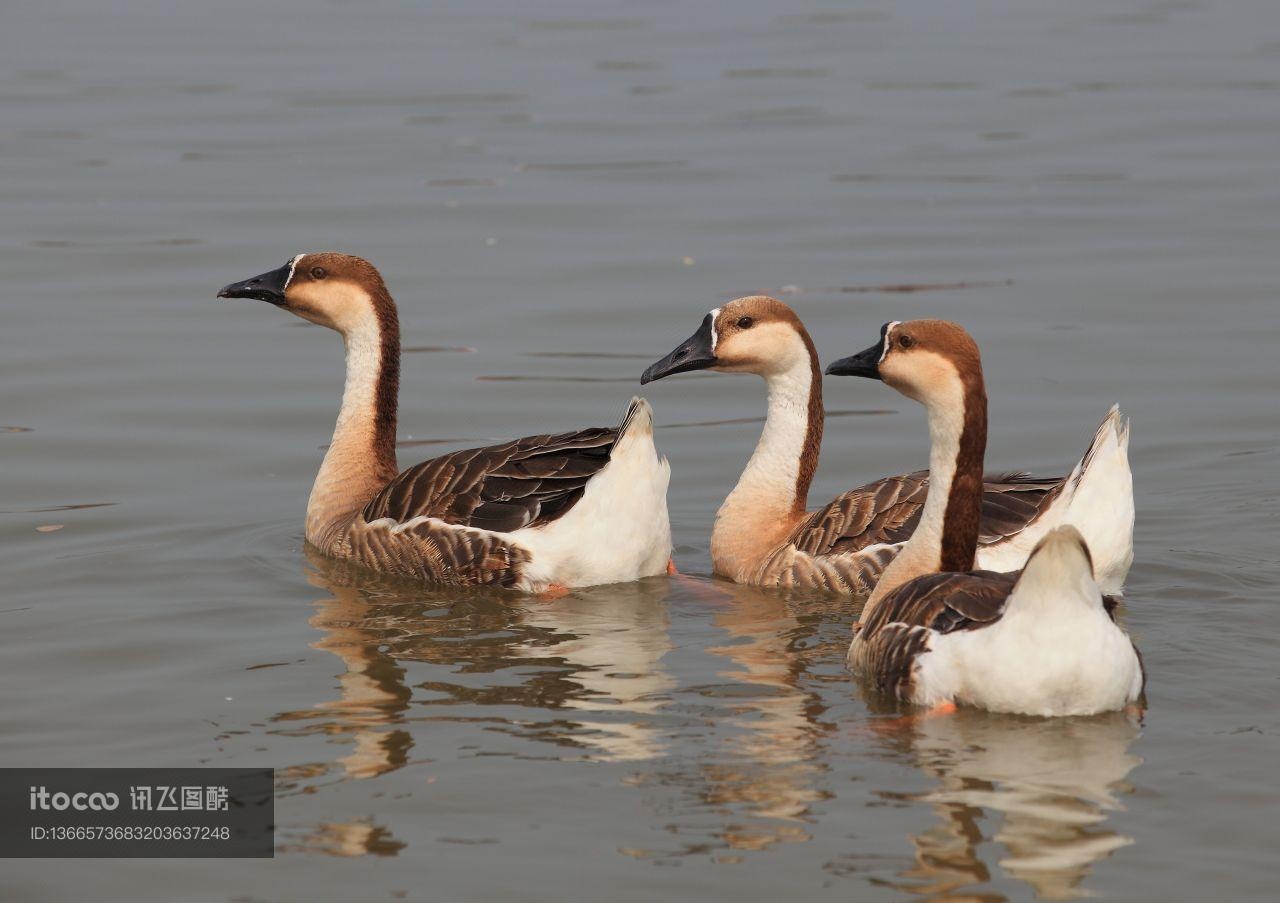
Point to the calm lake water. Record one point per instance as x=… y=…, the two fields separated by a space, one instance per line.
x=556 y=193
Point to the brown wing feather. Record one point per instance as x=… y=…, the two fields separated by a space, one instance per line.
x=945 y=602
x=522 y=483
x=885 y=511
x=892 y=654
x=1012 y=501
x=439 y=553
x=888 y=510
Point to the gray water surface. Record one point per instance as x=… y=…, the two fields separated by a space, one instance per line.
x=556 y=193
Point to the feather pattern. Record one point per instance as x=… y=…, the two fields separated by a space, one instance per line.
x=437 y=552
x=522 y=483
x=846 y=545
x=887 y=511
x=946 y=601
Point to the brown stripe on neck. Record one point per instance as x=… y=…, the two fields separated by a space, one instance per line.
x=963 y=516
x=387 y=389
x=813 y=430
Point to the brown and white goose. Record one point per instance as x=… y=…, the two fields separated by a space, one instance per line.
x=1040 y=641
x=571 y=509
x=764 y=533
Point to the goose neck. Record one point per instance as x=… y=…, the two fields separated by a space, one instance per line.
x=361 y=457
x=946 y=537
x=773 y=490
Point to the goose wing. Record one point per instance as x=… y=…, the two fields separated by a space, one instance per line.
x=899 y=628
x=522 y=483
x=945 y=602
x=440 y=553
x=884 y=512
x=887 y=511
x=1011 y=501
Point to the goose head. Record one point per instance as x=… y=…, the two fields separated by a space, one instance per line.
x=756 y=334
x=340 y=291
x=925 y=360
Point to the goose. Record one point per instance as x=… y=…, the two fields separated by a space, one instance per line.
x=538 y=514
x=764 y=533
x=935 y=632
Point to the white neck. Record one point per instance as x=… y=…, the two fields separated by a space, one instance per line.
x=922 y=553
x=764 y=502
x=350 y=474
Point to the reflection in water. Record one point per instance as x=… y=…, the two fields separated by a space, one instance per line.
x=586 y=676
x=758 y=770
x=358 y=837
x=774 y=758
x=596 y=652
x=1052 y=781
x=616 y=637
x=372 y=694
x=584 y=673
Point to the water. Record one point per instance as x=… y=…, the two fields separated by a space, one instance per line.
x=556 y=195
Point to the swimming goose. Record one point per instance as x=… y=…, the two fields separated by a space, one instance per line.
x=1040 y=641
x=763 y=533
x=533 y=514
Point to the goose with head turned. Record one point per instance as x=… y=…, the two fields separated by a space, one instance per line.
x=534 y=514
x=1039 y=641
x=764 y=533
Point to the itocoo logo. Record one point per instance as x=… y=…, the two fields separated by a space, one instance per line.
x=81 y=802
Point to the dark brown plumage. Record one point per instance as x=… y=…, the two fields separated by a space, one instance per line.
x=888 y=510
x=436 y=552
x=813 y=432
x=521 y=483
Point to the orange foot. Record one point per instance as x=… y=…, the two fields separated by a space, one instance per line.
x=892 y=725
x=552 y=592
x=671 y=567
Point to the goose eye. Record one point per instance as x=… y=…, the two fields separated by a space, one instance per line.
x=905 y=341
x=318 y=273
x=745 y=322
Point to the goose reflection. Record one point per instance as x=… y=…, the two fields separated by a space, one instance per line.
x=597 y=652
x=1041 y=788
x=614 y=638
x=368 y=712
x=372 y=696
x=773 y=768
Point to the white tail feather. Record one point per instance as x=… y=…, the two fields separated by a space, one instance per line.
x=1098 y=500
x=619 y=530
x=638 y=421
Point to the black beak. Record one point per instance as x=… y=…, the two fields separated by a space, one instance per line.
x=864 y=363
x=268 y=287
x=694 y=353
